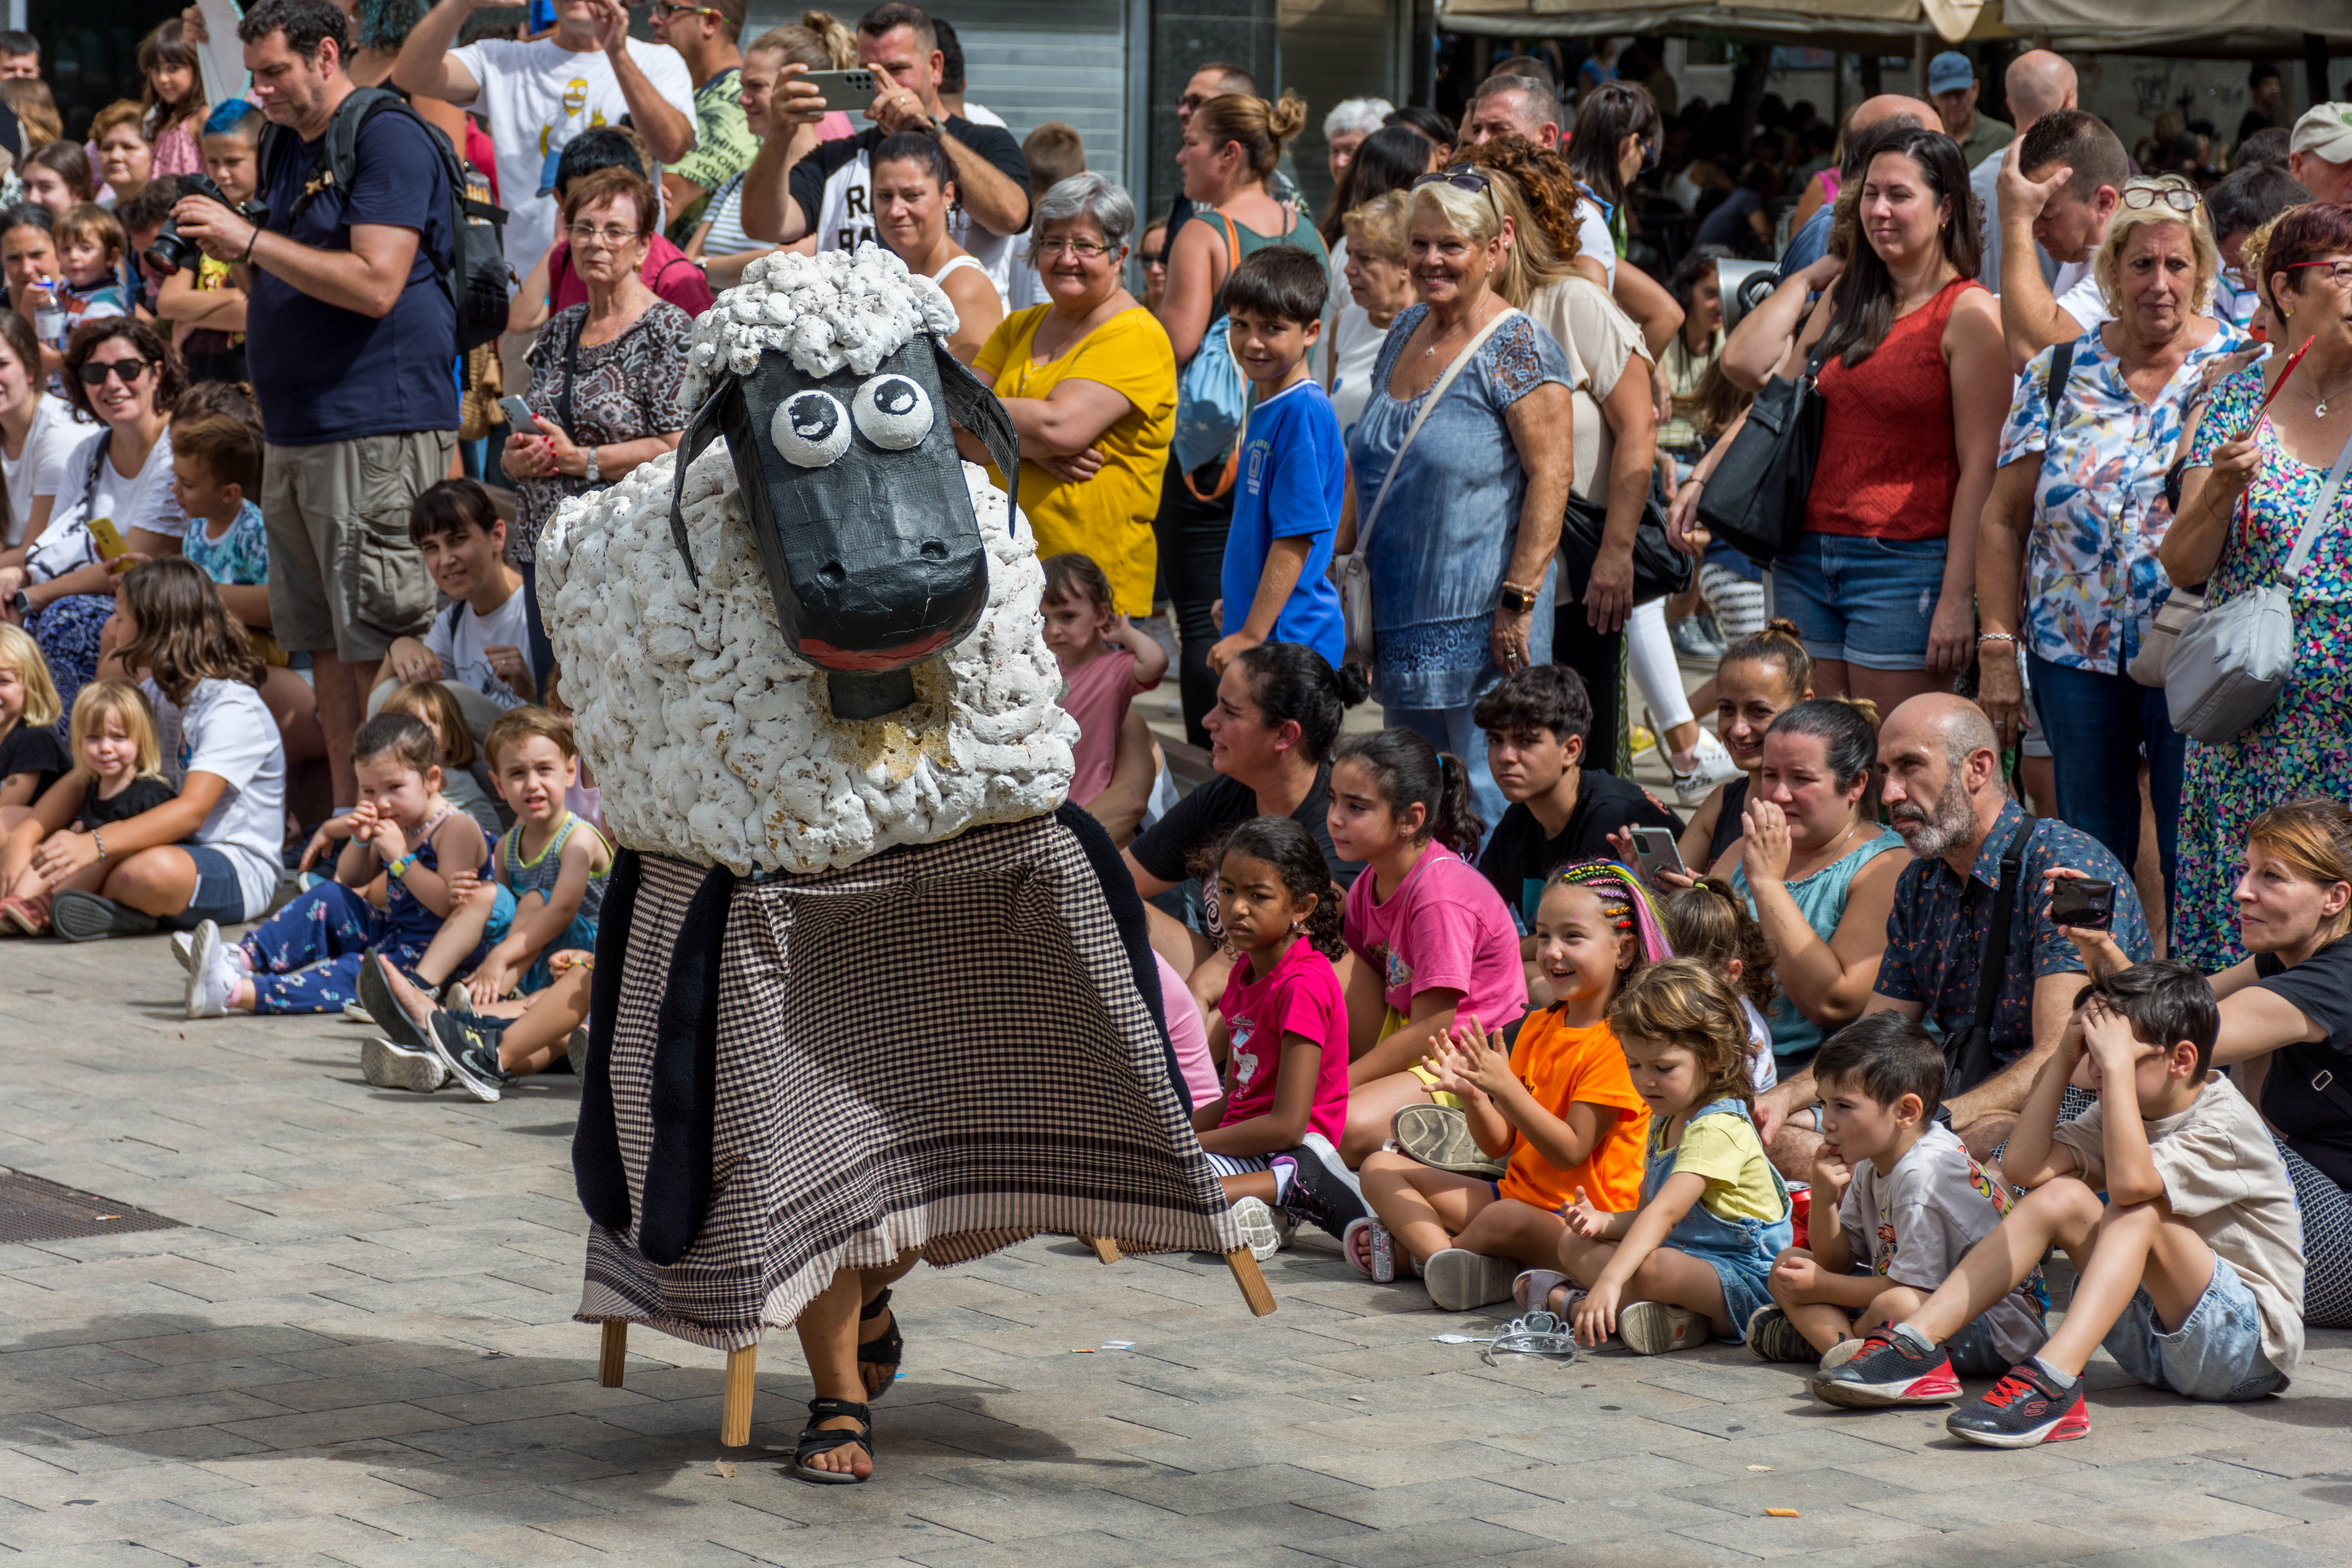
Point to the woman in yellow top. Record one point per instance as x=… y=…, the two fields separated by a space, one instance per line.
x=1090 y=383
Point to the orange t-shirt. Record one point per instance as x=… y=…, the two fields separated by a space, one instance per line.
x=1561 y=1065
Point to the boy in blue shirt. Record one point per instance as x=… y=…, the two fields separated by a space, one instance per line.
x=1291 y=469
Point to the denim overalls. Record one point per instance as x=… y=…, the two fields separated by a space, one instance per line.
x=1740 y=1251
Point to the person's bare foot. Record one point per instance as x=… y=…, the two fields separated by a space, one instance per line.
x=849 y=1459
x=878 y=1376
x=414 y=1002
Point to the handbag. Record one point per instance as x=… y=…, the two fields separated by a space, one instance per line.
x=1755 y=501
x=1353 y=571
x=2176 y=615
x=1660 y=570
x=1971 y=1057
x=2227 y=666
x=1212 y=395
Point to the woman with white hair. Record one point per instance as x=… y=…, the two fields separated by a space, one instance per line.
x=2078 y=512
x=1344 y=129
x=1090 y=383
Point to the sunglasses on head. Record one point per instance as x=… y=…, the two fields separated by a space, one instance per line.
x=1462 y=176
x=95 y=371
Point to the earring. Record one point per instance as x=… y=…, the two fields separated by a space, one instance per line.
x=1296 y=927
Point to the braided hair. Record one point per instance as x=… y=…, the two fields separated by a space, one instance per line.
x=1624 y=903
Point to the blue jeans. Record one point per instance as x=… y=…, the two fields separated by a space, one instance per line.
x=2099 y=727
x=1453 y=729
x=2216 y=1353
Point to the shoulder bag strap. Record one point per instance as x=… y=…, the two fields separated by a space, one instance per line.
x=2308 y=540
x=1436 y=395
x=1996 y=947
x=571 y=375
x=2062 y=365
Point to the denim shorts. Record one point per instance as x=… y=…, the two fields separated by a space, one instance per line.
x=1973 y=1352
x=2216 y=1354
x=1865 y=601
x=220 y=897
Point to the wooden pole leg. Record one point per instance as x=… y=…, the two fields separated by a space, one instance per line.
x=615 y=1355
x=735 y=1412
x=1106 y=1249
x=1247 y=1275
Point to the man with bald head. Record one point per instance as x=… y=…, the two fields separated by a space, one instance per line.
x=1943 y=795
x=2039 y=83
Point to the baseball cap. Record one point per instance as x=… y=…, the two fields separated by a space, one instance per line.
x=1949 y=72
x=2325 y=129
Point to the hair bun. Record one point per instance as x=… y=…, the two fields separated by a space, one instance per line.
x=1351 y=684
x=1286 y=118
x=1784 y=625
x=1863 y=706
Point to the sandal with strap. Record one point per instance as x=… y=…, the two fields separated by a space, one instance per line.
x=815 y=1439
x=886 y=1349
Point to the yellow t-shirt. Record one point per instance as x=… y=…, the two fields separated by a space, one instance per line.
x=1725 y=1151
x=1108 y=516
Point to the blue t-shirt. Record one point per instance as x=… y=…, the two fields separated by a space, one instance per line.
x=1808 y=245
x=324 y=374
x=1293 y=476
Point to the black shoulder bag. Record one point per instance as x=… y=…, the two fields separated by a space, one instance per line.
x=1660 y=570
x=1971 y=1057
x=1755 y=501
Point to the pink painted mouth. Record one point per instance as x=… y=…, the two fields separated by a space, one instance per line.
x=824 y=654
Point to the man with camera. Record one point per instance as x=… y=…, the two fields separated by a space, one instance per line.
x=351 y=344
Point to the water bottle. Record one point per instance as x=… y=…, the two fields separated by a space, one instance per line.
x=50 y=316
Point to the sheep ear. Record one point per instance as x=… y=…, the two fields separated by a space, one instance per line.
x=972 y=405
x=700 y=431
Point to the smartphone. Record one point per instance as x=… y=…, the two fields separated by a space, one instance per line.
x=849 y=92
x=542 y=16
x=108 y=537
x=519 y=414
x=1654 y=850
x=2082 y=901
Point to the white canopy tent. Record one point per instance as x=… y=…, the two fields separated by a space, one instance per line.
x=2227 y=28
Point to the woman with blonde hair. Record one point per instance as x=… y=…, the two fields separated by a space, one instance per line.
x=2066 y=559
x=1231 y=147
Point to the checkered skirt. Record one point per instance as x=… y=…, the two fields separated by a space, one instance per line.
x=940 y=1047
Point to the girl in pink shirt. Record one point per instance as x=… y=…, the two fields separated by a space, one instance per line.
x=1282 y=1027
x=1432 y=939
x=1106 y=662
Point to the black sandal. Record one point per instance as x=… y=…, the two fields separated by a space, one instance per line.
x=815 y=1439
x=883 y=1348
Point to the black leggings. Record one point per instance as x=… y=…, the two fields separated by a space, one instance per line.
x=1191 y=535
x=1600 y=659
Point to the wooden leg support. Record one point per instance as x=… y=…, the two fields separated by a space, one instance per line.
x=1106 y=1249
x=1253 y=1283
x=735 y=1412
x=616 y=1356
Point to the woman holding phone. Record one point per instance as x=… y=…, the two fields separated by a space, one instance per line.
x=2258 y=471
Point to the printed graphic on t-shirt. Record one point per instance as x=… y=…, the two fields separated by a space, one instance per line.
x=1398 y=971
x=552 y=144
x=1244 y=1061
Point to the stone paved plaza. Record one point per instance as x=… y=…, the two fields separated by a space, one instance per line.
x=359 y=1352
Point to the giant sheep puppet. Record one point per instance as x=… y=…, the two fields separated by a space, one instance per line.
x=866 y=991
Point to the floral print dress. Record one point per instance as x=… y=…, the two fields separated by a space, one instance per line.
x=2303 y=746
x=628 y=390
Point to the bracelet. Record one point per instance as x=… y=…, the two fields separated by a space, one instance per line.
x=256 y=240
x=95 y=837
x=399 y=868
x=2008 y=638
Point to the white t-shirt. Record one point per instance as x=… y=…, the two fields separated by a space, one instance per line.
x=143 y=499
x=1024 y=288
x=226 y=730
x=537 y=97
x=981 y=115
x=39 y=470
x=2077 y=290
x=460 y=648
x=1593 y=238
x=1351 y=344
x=1599 y=340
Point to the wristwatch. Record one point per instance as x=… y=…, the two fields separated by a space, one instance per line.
x=592 y=466
x=20 y=604
x=1516 y=599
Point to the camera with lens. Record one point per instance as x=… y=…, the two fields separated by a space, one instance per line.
x=170 y=252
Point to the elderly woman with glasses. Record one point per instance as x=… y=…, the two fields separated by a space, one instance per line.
x=1090 y=383
x=2066 y=559
x=604 y=375
x=2258 y=475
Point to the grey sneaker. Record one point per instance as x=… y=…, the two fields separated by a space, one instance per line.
x=1773 y=1338
x=1460 y=1281
x=77 y=916
x=1265 y=1228
x=1439 y=1137
x=387 y=1066
x=384 y=1008
x=1653 y=1328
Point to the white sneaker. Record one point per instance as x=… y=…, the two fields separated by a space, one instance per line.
x=356 y=1011
x=212 y=976
x=1711 y=765
x=1266 y=1229
x=1463 y=1281
x=184 y=947
x=387 y=1066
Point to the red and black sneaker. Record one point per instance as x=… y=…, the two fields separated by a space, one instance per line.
x=2022 y=1410
x=1888 y=1370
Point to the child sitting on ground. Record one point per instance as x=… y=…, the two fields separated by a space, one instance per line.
x=504 y=1041
x=433 y=703
x=32 y=754
x=306 y=957
x=1707 y=920
x=1693 y=1258
x=2172 y=1201
x=479 y=646
x=117 y=774
x=1290 y=466
x=1106 y=663
x=1282 y=1027
x=1897 y=1200
x=1560 y=1107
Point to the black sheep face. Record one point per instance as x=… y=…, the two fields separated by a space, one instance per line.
x=855 y=495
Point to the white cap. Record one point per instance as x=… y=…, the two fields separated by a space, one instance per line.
x=2325 y=129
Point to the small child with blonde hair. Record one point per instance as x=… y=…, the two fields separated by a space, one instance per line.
x=117 y=774
x=32 y=756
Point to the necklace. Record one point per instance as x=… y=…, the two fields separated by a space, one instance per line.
x=2320 y=408
x=1435 y=343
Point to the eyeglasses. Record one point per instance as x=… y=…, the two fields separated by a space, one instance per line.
x=2177 y=195
x=94 y=372
x=1084 y=249
x=664 y=10
x=611 y=239
x=2339 y=272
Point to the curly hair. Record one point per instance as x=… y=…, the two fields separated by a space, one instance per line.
x=1684 y=1004
x=1290 y=849
x=171 y=375
x=1547 y=187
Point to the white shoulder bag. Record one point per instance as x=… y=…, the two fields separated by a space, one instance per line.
x=1354 y=570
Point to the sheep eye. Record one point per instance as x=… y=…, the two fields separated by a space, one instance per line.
x=811 y=429
x=892 y=412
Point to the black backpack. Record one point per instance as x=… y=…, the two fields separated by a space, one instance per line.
x=476 y=277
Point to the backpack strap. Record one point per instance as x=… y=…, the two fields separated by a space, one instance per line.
x=2004 y=908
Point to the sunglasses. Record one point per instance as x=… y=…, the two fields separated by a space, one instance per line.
x=1461 y=176
x=94 y=372
x=663 y=10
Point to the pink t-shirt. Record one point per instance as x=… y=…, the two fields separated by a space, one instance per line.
x=667 y=272
x=1099 y=691
x=1444 y=926
x=1300 y=996
x=1186 y=1033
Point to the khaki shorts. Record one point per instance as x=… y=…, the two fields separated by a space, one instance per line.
x=345 y=577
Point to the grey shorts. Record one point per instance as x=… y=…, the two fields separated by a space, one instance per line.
x=2216 y=1353
x=345 y=577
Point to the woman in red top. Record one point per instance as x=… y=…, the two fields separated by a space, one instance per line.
x=1915 y=384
